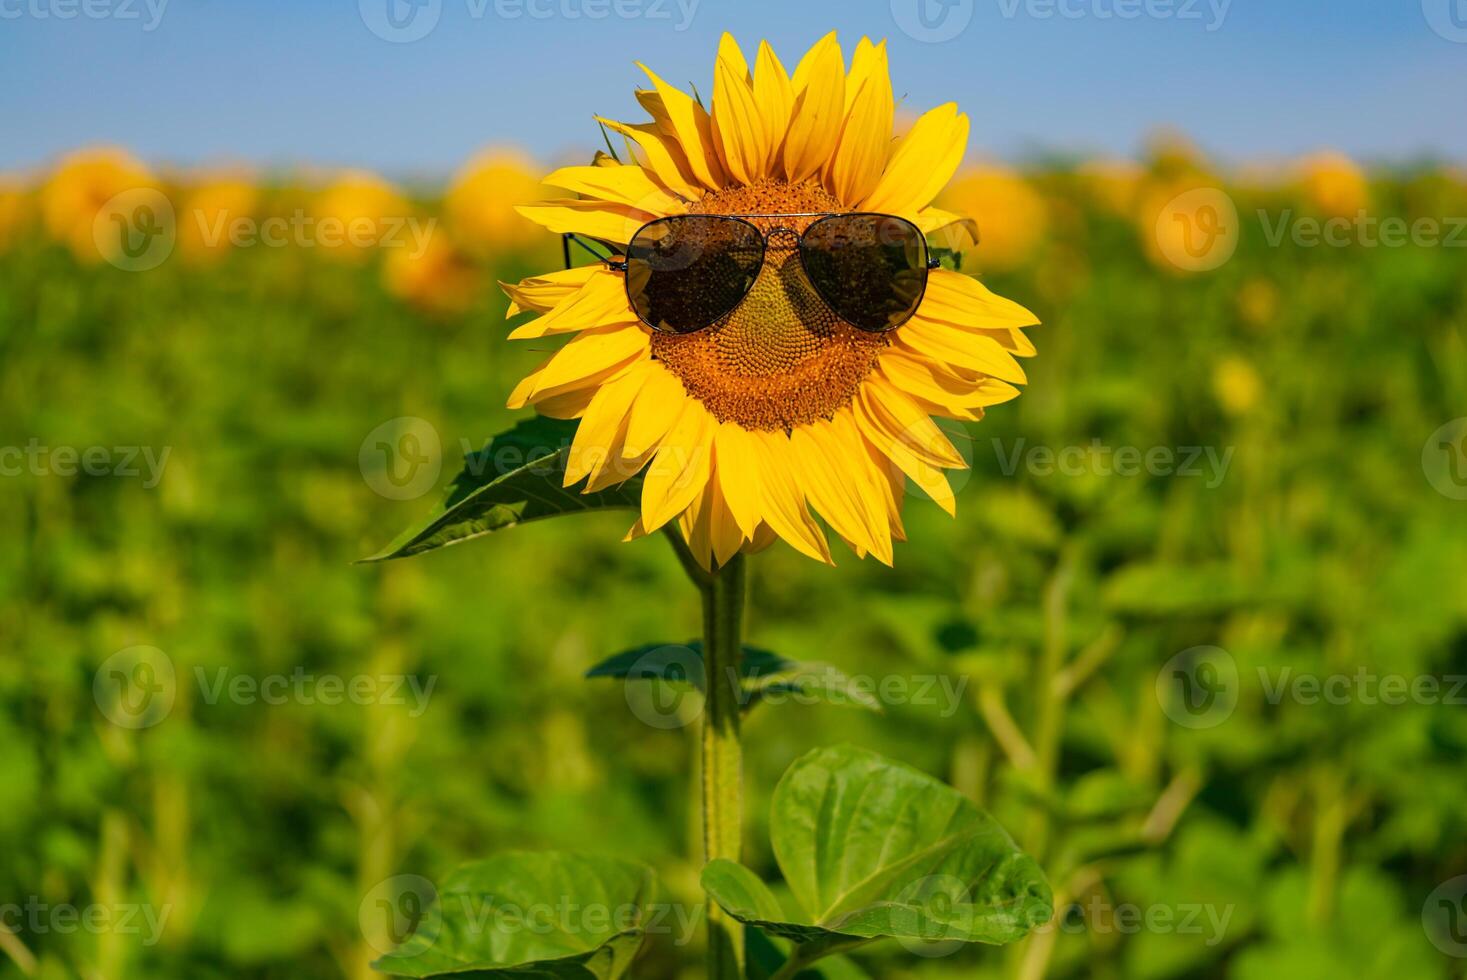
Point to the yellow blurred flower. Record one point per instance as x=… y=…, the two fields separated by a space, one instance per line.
x=1236 y=385
x=1258 y=302
x=1334 y=185
x=80 y=189
x=1011 y=216
x=1112 y=184
x=211 y=210
x=15 y=210
x=433 y=276
x=480 y=206
x=1188 y=226
x=357 y=213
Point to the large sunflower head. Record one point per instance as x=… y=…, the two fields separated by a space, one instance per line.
x=781 y=407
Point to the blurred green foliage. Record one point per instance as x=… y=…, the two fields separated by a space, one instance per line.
x=1295 y=839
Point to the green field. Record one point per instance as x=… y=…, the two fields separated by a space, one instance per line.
x=1296 y=511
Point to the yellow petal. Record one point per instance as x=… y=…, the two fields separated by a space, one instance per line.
x=864 y=62
x=662 y=155
x=656 y=409
x=694 y=131
x=600 y=302
x=873 y=483
x=724 y=535
x=925 y=379
x=815 y=121
x=944 y=342
x=783 y=502
x=739 y=133
x=922 y=163
x=571 y=405
x=737 y=464
x=775 y=97
x=830 y=479
x=960 y=299
x=608 y=222
x=948 y=229
x=631 y=186
x=681 y=468
x=589 y=354
x=543 y=293
x=603 y=419
x=921 y=472
x=865 y=139
x=908 y=425
x=649 y=99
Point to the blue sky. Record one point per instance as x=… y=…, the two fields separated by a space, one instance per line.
x=278 y=82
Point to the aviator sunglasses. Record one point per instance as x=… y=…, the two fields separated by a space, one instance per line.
x=687 y=272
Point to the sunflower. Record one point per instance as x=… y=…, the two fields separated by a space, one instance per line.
x=1011 y=215
x=781 y=407
x=81 y=187
x=480 y=205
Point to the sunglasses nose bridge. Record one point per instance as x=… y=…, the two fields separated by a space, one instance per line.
x=782 y=236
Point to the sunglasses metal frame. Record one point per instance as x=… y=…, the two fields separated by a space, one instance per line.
x=929 y=262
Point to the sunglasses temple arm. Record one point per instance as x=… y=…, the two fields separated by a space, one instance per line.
x=567 y=237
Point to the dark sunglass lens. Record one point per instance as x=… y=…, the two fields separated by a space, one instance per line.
x=870 y=268
x=685 y=272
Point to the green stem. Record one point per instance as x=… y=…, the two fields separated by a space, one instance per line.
x=723 y=608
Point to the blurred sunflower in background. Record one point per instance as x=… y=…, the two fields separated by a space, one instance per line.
x=480 y=205
x=353 y=215
x=1011 y=215
x=1333 y=185
x=433 y=276
x=780 y=405
x=15 y=209
x=79 y=189
x=210 y=208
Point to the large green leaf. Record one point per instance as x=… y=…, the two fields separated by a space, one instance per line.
x=531 y=914
x=870 y=848
x=763 y=675
x=515 y=479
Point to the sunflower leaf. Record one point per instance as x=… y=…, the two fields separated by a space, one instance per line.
x=515 y=479
x=900 y=855
x=763 y=675
x=483 y=923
